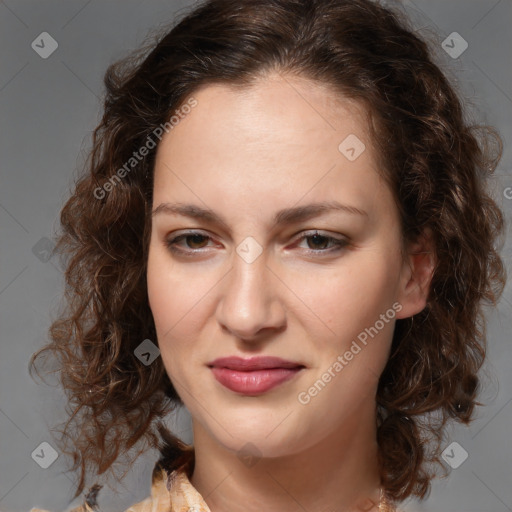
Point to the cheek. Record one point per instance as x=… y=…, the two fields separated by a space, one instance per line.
x=167 y=309
x=161 y=294
x=355 y=295
x=179 y=304
x=171 y=293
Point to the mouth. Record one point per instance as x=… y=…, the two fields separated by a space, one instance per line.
x=253 y=376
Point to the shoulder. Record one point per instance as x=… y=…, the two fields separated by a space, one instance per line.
x=158 y=501
x=89 y=504
x=169 y=485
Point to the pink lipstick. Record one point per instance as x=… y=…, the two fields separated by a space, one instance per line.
x=255 y=375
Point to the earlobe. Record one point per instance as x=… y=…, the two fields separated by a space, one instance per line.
x=417 y=275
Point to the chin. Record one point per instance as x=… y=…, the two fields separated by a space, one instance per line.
x=244 y=432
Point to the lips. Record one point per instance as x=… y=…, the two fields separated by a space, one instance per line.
x=253 y=376
x=254 y=363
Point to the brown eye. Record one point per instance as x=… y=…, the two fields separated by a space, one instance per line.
x=319 y=243
x=192 y=240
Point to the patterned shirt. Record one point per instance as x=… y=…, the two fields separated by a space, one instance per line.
x=171 y=491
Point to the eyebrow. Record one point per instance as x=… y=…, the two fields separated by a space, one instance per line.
x=282 y=217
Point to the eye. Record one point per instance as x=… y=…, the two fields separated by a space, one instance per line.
x=193 y=239
x=320 y=241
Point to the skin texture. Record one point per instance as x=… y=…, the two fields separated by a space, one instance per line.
x=246 y=154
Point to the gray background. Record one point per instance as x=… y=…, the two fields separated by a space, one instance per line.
x=49 y=108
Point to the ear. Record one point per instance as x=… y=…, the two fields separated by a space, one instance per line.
x=417 y=272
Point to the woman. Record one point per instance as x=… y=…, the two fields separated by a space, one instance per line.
x=284 y=196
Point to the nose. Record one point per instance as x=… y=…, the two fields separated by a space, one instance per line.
x=251 y=306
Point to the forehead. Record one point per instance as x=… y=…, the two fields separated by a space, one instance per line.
x=281 y=137
x=280 y=107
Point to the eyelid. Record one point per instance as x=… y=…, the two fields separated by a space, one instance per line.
x=321 y=232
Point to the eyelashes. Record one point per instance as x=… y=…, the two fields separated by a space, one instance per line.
x=314 y=237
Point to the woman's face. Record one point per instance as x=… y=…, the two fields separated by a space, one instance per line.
x=251 y=280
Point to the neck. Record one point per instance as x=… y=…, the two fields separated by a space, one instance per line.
x=338 y=473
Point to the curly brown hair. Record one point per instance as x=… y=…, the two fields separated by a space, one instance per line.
x=435 y=161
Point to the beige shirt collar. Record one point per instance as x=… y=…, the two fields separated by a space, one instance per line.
x=172 y=492
x=175 y=493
